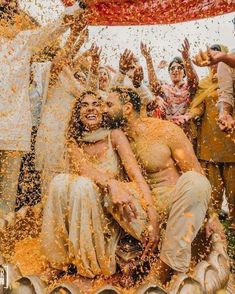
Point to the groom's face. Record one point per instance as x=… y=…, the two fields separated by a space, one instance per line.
x=114 y=111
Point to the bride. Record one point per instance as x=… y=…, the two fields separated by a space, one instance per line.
x=87 y=208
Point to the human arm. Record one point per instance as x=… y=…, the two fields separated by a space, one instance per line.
x=226 y=121
x=66 y=54
x=229 y=59
x=152 y=76
x=81 y=165
x=191 y=114
x=93 y=79
x=40 y=38
x=125 y=64
x=83 y=38
x=121 y=199
x=122 y=145
x=191 y=74
x=212 y=57
x=226 y=97
x=69 y=83
x=182 y=150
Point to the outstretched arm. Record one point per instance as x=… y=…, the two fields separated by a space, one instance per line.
x=191 y=74
x=212 y=57
x=122 y=145
x=83 y=38
x=40 y=38
x=125 y=64
x=66 y=54
x=152 y=76
x=93 y=79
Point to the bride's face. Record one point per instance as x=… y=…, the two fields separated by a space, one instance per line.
x=91 y=112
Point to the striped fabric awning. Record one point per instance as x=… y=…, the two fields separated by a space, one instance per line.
x=147 y=12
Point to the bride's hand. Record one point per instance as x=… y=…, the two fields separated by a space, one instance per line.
x=122 y=201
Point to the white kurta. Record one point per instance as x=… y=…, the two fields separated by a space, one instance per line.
x=15 y=55
x=56 y=113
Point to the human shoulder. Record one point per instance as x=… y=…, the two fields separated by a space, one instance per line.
x=164 y=129
x=152 y=122
x=170 y=129
x=116 y=135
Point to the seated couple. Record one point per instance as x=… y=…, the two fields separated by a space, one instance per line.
x=105 y=192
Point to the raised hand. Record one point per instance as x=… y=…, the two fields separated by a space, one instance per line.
x=158 y=102
x=84 y=36
x=95 y=53
x=137 y=76
x=162 y=64
x=145 y=51
x=208 y=57
x=226 y=122
x=185 y=50
x=126 y=61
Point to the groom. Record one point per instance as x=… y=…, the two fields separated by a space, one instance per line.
x=180 y=190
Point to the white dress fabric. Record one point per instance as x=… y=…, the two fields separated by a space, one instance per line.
x=56 y=112
x=15 y=55
x=79 y=224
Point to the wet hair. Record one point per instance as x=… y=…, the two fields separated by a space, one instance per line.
x=76 y=127
x=128 y=95
x=178 y=60
x=216 y=47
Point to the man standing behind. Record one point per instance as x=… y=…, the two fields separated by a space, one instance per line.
x=16 y=50
x=226 y=81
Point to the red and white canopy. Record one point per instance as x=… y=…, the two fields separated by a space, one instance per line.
x=147 y=12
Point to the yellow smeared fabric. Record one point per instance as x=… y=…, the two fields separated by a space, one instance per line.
x=206 y=87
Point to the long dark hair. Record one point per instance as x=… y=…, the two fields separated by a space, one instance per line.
x=76 y=127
